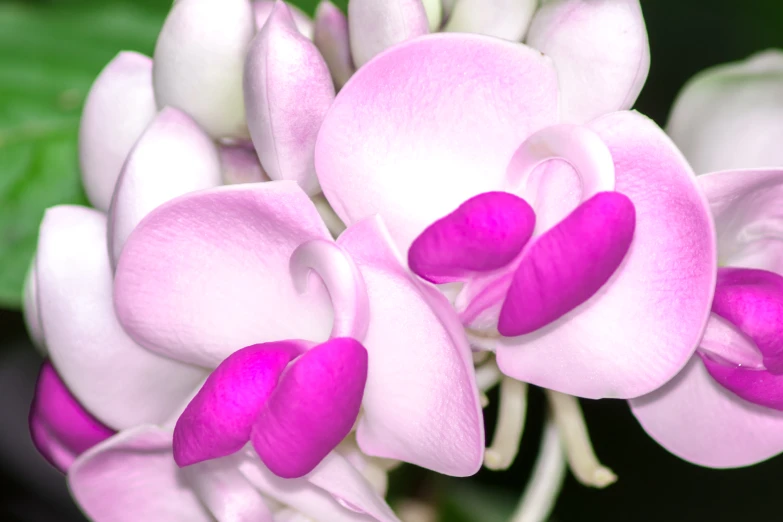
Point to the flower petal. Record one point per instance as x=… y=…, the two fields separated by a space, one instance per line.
x=219 y=419
x=32 y=316
x=208 y=273
x=333 y=491
x=421 y=402
x=118 y=108
x=508 y=19
x=312 y=409
x=438 y=118
x=115 y=379
x=240 y=164
x=61 y=429
x=173 y=157
x=760 y=387
x=723 y=431
x=641 y=328
x=485 y=233
x=331 y=38
x=568 y=264
x=131 y=477
x=263 y=8
x=288 y=90
x=746 y=207
x=600 y=50
x=731 y=116
x=376 y=25
x=199 y=58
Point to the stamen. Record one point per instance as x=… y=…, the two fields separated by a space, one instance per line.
x=511 y=423
x=579 y=451
x=342 y=280
x=488 y=375
x=582 y=148
x=545 y=482
x=330 y=217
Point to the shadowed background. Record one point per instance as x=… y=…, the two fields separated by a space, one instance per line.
x=50 y=51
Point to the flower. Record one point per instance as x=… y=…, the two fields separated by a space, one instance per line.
x=729 y=394
x=458 y=126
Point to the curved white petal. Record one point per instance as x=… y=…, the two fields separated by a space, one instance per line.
x=331 y=38
x=263 y=8
x=32 y=317
x=376 y=25
x=508 y=19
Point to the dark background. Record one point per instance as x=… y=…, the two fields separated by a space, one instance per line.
x=685 y=37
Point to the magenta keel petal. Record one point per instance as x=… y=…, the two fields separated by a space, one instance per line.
x=313 y=408
x=757 y=386
x=569 y=263
x=484 y=233
x=218 y=420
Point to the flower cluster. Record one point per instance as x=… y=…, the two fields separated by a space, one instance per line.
x=317 y=244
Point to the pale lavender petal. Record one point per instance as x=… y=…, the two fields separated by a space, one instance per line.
x=312 y=409
x=723 y=431
x=61 y=428
x=118 y=108
x=199 y=58
x=219 y=419
x=421 y=402
x=132 y=477
x=240 y=164
x=119 y=382
x=568 y=264
x=731 y=116
x=485 y=233
x=600 y=50
x=331 y=38
x=173 y=157
x=32 y=316
x=376 y=25
x=208 y=273
x=263 y=8
x=288 y=90
x=642 y=327
x=438 y=119
x=508 y=19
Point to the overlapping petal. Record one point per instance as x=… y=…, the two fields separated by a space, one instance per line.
x=173 y=157
x=640 y=329
x=115 y=379
x=508 y=19
x=208 y=273
x=118 y=108
x=288 y=90
x=263 y=8
x=376 y=25
x=32 y=317
x=438 y=120
x=331 y=38
x=731 y=116
x=600 y=50
x=421 y=402
x=199 y=58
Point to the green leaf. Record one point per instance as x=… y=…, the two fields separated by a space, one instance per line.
x=468 y=501
x=49 y=56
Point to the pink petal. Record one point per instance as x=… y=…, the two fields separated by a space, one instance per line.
x=208 y=273
x=313 y=408
x=485 y=233
x=376 y=25
x=61 y=428
x=199 y=58
x=333 y=491
x=421 y=402
x=240 y=164
x=331 y=38
x=263 y=8
x=568 y=264
x=217 y=422
x=438 y=118
x=730 y=116
x=119 y=382
x=723 y=431
x=133 y=477
x=640 y=329
x=288 y=90
x=118 y=108
x=746 y=207
x=760 y=387
x=508 y=19
x=32 y=316
x=173 y=157
x=600 y=50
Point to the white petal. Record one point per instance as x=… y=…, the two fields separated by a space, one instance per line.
x=376 y=25
x=508 y=19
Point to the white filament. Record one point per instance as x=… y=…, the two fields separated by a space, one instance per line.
x=545 y=482
x=342 y=280
x=579 y=451
x=511 y=423
x=488 y=375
